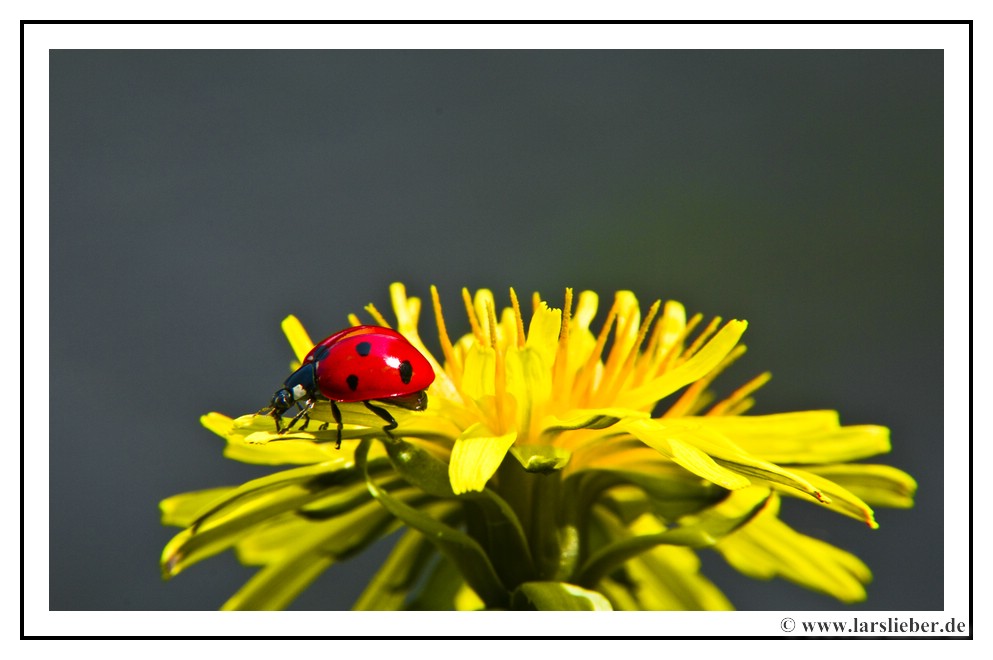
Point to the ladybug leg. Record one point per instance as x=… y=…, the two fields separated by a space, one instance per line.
x=337 y=417
x=304 y=413
x=384 y=415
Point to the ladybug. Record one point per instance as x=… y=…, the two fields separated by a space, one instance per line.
x=364 y=363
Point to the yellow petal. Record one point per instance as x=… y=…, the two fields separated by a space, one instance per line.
x=699 y=433
x=287 y=452
x=543 y=332
x=480 y=371
x=879 y=485
x=586 y=307
x=628 y=322
x=706 y=359
x=217 y=423
x=300 y=341
x=252 y=439
x=528 y=370
x=181 y=510
x=767 y=547
x=838 y=498
x=466 y=599
x=484 y=305
x=407 y=310
x=666 y=443
x=476 y=456
x=671 y=325
x=668 y=578
x=776 y=425
x=587 y=418
x=802 y=437
x=529 y=381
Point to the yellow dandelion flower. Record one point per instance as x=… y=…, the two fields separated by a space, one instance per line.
x=555 y=467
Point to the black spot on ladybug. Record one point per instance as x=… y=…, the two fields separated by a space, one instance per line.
x=363 y=348
x=353 y=382
x=406 y=371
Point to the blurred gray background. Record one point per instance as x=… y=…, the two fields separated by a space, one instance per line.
x=197 y=197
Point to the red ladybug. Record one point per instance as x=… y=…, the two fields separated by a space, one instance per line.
x=364 y=363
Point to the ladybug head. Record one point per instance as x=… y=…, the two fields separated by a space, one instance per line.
x=282 y=401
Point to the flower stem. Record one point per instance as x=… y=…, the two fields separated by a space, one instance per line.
x=536 y=499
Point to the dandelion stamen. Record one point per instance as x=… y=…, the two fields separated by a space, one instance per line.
x=692 y=399
x=454 y=364
x=561 y=367
x=740 y=408
x=374 y=313
x=651 y=356
x=643 y=332
x=566 y=318
x=701 y=339
x=584 y=383
x=626 y=314
x=618 y=378
x=667 y=360
x=491 y=322
x=517 y=316
x=499 y=374
x=735 y=400
x=471 y=313
x=625 y=335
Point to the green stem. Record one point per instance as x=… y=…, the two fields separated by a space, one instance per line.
x=546 y=525
x=536 y=499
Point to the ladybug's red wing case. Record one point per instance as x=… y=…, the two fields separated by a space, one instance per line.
x=320 y=350
x=366 y=366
